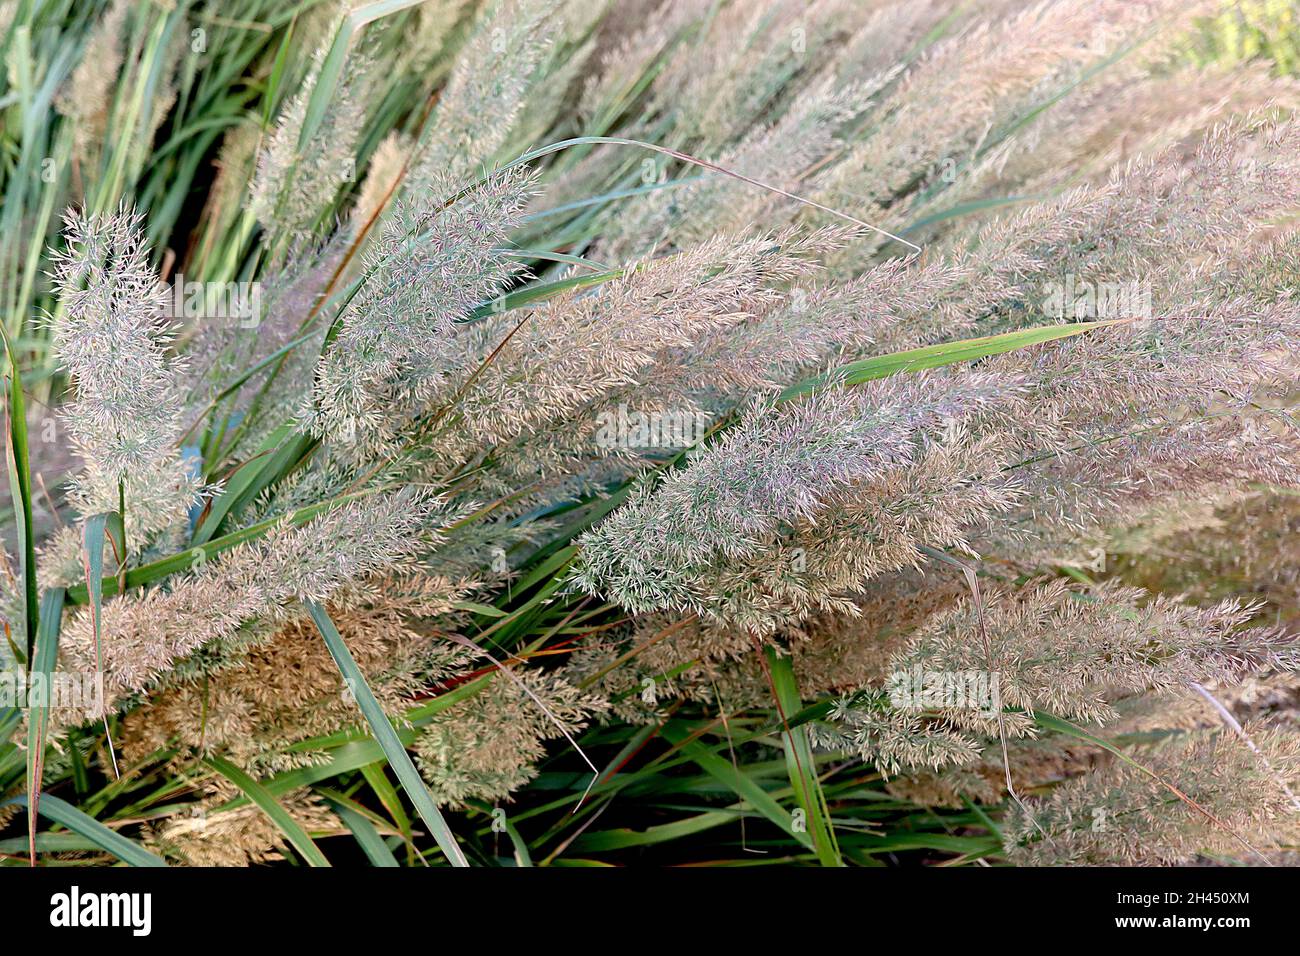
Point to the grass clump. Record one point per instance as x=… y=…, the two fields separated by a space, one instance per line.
x=542 y=432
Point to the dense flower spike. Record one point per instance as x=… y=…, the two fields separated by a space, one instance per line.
x=112 y=337
x=758 y=527
x=146 y=635
x=396 y=342
x=88 y=96
x=1233 y=806
x=487 y=747
x=295 y=185
x=1065 y=650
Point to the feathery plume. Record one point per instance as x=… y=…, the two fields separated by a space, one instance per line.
x=253 y=702
x=1242 y=810
x=486 y=747
x=112 y=338
x=485 y=95
x=296 y=182
x=1055 y=648
x=88 y=96
x=212 y=835
x=580 y=349
x=146 y=635
x=763 y=525
x=428 y=268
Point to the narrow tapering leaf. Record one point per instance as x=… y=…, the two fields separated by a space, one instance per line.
x=368 y=838
x=383 y=730
x=332 y=68
x=935 y=356
x=292 y=830
x=110 y=841
x=93 y=562
x=20 y=489
x=732 y=776
x=801 y=762
x=44 y=657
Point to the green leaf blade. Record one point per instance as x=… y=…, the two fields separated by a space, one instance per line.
x=387 y=737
